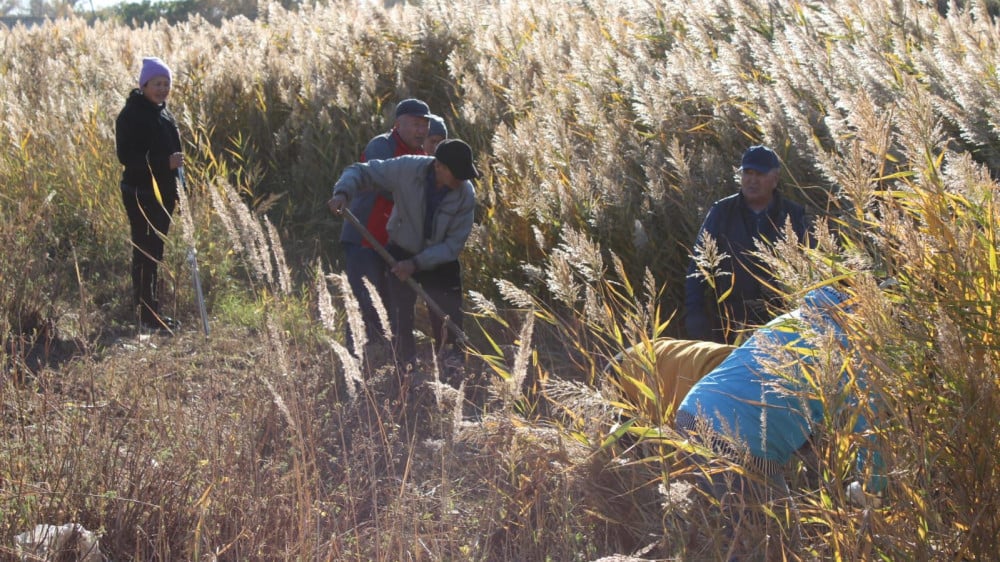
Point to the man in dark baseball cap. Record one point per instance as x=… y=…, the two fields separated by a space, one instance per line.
x=760 y=158
x=740 y=294
x=432 y=218
x=412 y=106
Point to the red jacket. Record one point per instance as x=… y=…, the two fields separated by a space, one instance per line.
x=378 y=149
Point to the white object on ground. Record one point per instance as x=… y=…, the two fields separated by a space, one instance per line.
x=857 y=496
x=47 y=542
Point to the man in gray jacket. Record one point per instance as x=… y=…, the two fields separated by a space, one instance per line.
x=432 y=216
x=408 y=136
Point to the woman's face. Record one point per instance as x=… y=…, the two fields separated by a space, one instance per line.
x=157 y=89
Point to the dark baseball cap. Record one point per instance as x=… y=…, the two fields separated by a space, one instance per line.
x=412 y=106
x=458 y=157
x=760 y=158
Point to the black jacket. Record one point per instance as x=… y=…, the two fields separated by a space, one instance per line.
x=145 y=136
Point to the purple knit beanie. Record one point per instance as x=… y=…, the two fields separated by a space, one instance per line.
x=151 y=68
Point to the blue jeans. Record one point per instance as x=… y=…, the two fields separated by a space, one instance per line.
x=365 y=263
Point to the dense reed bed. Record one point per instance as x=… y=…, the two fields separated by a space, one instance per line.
x=604 y=129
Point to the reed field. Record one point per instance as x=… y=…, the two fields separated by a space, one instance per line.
x=604 y=130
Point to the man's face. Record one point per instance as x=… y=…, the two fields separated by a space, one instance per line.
x=413 y=130
x=444 y=176
x=431 y=143
x=758 y=187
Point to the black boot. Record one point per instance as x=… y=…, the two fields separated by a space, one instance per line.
x=151 y=320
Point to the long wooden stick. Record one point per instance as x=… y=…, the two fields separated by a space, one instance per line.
x=462 y=338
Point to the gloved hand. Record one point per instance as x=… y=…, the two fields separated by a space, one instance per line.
x=856 y=496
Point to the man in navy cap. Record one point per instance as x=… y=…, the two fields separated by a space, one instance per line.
x=436 y=133
x=409 y=130
x=757 y=213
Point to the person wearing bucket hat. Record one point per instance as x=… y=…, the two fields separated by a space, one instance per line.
x=148 y=145
x=436 y=133
x=407 y=136
x=755 y=215
x=432 y=217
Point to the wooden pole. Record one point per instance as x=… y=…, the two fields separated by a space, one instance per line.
x=462 y=338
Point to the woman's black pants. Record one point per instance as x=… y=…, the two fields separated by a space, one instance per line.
x=149 y=222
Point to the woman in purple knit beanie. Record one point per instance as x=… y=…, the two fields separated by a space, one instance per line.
x=148 y=145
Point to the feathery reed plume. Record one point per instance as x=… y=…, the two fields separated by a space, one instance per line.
x=221 y=208
x=539 y=237
x=560 y=279
x=584 y=254
x=352 y=369
x=436 y=384
x=279 y=402
x=327 y=315
x=274 y=242
x=324 y=301
x=863 y=159
x=582 y=404
x=245 y=233
x=514 y=295
x=708 y=259
x=355 y=321
x=921 y=132
x=456 y=412
x=379 y=306
x=483 y=305
x=513 y=385
x=593 y=311
x=652 y=295
x=252 y=240
x=276 y=343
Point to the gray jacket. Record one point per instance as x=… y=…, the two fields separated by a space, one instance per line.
x=381 y=147
x=404 y=180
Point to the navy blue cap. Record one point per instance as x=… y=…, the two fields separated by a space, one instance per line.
x=760 y=158
x=437 y=128
x=412 y=106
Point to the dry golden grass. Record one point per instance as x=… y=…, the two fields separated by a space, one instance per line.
x=604 y=129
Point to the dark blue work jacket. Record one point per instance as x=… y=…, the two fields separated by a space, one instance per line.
x=735 y=227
